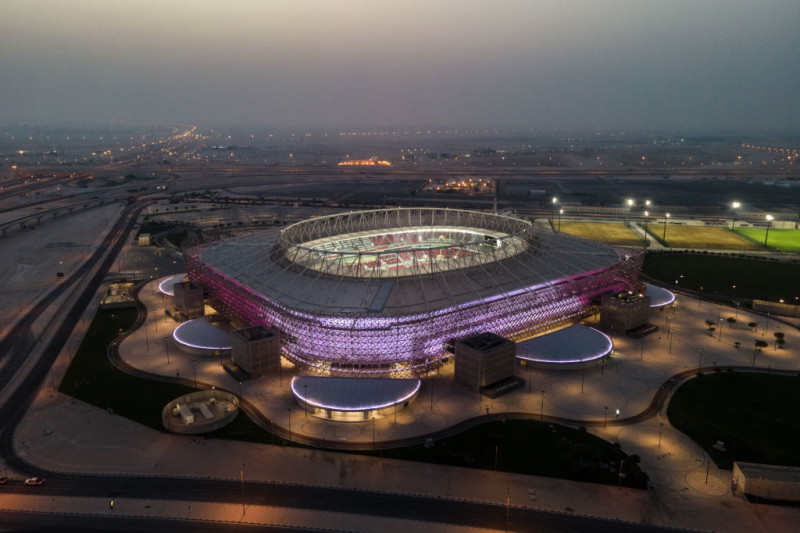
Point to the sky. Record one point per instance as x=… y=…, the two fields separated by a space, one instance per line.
x=578 y=64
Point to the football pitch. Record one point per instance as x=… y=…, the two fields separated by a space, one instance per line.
x=703 y=237
x=787 y=240
x=610 y=232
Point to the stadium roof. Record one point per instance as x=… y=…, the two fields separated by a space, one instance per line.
x=256 y=261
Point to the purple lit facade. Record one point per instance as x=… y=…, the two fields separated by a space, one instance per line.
x=391 y=342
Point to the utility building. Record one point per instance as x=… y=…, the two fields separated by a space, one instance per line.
x=189 y=300
x=484 y=359
x=256 y=350
x=624 y=311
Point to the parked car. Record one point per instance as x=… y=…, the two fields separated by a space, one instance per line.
x=34 y=481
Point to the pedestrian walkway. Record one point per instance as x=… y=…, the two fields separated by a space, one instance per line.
x=62 y=434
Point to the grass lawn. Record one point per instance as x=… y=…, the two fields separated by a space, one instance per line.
x=611 y=232
x=702 y=237
x=534 y=448
x=92 y=378
x=717 y=274
x=788 y=240
x=755 y=415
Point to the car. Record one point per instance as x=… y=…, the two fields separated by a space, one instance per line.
x=3 y=480
x=34 y=481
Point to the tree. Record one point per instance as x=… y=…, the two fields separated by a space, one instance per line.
x=731 y=320
x=759 y=344
x=752 y=325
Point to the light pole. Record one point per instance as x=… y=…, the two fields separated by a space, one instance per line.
x=541 y=411
x=770 y=218
x=630 y=203
x=605 y=416
x=560 y=212
x=553 y=211
x=241 y=473
x=671 y=331
x=194 y=362
x=735 y=205
x=644 y=235
x=664 y=237
x=700 y=362
x=583 y=375
x=373 y=432
x=660 y=430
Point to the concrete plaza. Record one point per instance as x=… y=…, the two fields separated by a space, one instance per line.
x=63 y=434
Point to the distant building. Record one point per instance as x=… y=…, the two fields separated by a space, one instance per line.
x=624 y=311
x=189 y=299
x=256 y=350
x=484 y=359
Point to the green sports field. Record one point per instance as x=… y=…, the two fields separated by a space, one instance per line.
x=787 y=240
x=703 y=237
x=610 y=232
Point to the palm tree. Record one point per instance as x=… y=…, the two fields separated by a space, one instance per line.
x=759 y=344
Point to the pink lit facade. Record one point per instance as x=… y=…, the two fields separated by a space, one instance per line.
x=388 y=342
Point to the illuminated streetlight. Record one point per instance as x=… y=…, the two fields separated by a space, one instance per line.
x=735 y=206
x=769 y=218
x=664 y=237
x=630 y=203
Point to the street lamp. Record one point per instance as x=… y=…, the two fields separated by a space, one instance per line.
x=605 y=416
x=735 y=206
x=560 y=212
x=541 y=412
x=554 y=203
x=769 y=218
x=630 y=203
x=700 y=363
x=664 y=237
x=644 y=235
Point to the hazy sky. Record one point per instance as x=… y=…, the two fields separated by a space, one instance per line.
x=528 y=63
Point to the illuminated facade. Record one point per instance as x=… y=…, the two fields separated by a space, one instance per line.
x=387 y=292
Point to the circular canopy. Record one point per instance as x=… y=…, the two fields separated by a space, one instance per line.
x=575 y=344
x=201 y=334
x=659 y=296
x=167 y=286
x=353 y=394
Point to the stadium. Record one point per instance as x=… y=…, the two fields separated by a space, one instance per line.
x=387 y=292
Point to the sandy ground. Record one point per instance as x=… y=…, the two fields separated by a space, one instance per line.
x=66 y=435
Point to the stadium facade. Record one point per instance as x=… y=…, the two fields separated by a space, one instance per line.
x=387 y=292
